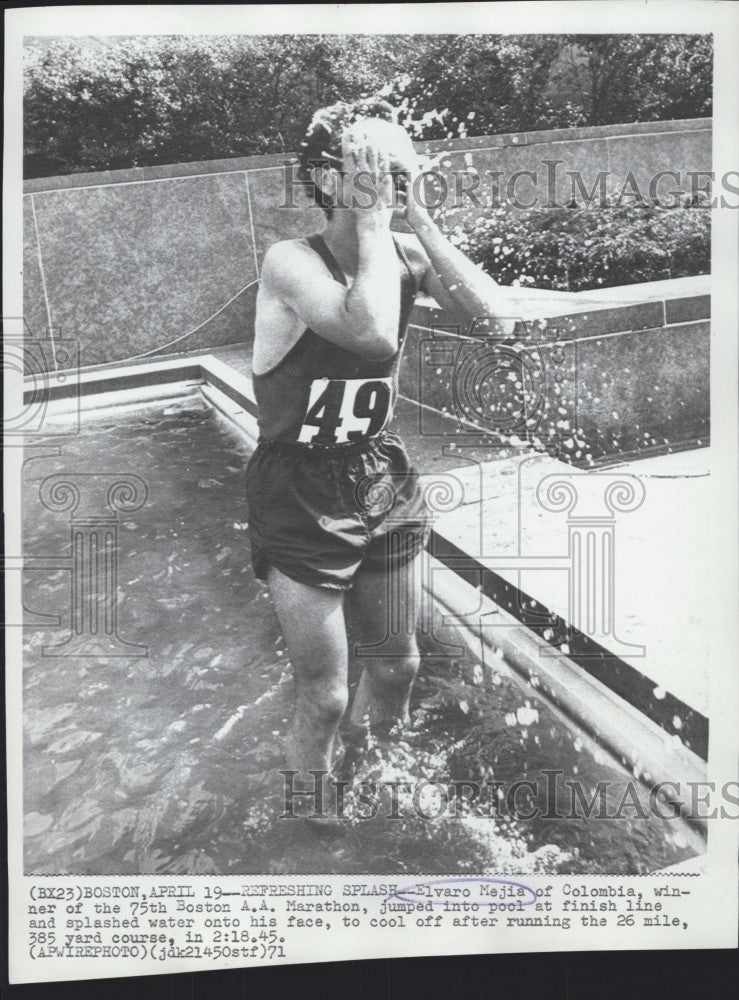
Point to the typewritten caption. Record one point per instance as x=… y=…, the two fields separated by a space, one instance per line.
x=254 y=922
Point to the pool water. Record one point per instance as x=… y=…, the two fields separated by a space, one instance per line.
x=168 y=763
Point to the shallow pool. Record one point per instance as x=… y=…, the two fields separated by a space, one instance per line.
x=168 y=762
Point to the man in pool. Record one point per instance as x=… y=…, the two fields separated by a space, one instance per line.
x=332 y=312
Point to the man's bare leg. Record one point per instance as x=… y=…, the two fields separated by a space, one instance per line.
x=312 y=621
x=386 y=608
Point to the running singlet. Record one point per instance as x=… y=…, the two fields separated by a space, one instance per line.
x=323 y=394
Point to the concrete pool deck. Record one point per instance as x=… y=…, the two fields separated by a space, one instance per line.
x=657 y=594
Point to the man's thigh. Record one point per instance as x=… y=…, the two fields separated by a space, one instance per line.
x=313 y=625
x=385 y=606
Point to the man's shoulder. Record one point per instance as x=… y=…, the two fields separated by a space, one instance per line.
x=285 y=255
x=288 y=249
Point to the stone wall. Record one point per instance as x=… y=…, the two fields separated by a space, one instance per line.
x=159 y=259
x=592 y=376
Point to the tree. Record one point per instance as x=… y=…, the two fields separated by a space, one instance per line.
x=141 y=101
x=628 y=78
x=481 y=84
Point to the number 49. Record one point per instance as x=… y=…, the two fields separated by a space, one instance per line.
x=346 y=410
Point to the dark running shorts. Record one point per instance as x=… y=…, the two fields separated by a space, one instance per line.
x=318 y=514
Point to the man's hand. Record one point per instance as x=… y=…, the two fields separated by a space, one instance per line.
x=369 y=187
x=406 y=162
x=452 y=279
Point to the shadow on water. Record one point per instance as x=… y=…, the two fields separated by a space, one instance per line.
x=169 y=763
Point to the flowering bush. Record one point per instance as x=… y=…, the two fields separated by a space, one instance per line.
x=582 y=248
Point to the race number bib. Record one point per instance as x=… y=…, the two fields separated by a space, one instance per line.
x=341 y=410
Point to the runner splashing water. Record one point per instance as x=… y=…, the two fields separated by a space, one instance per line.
x=331 y=316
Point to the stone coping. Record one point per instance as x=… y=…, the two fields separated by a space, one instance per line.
x=623 y=308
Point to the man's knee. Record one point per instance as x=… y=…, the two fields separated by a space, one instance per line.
x=391 y=659
x=331 y=707
x=398 y=669
x=327 y=703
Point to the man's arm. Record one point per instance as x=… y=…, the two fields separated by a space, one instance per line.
x=457 y=284
x=365 y=317
x=460 y=286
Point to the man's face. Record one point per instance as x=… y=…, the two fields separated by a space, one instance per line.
x=388 y=139
x=391 y=146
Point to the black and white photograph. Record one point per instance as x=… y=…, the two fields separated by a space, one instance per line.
x=367 y=458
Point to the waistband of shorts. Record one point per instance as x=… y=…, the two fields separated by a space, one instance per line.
x=309 y=448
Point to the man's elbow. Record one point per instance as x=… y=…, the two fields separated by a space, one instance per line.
x=373 y=341
x=376 y=345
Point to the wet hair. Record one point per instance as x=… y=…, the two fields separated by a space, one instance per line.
x=323 y=139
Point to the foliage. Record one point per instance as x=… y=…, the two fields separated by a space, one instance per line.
x=151 y=100
x=482 y=84
x=582 y=248
x=107 y=103
x=643 y=77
